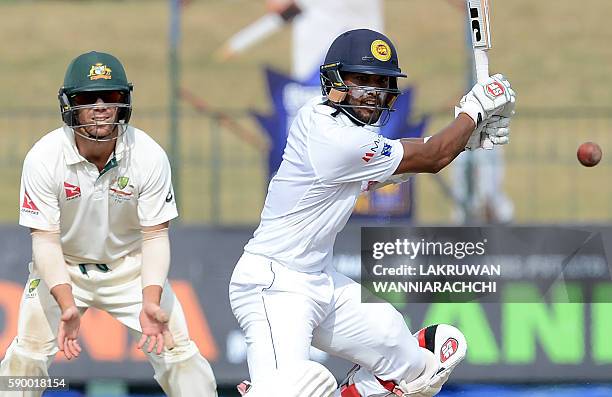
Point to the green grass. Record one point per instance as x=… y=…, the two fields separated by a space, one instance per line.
x=556 y=54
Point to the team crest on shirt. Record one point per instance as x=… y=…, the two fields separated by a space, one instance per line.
x=28 y=205
x=122 y=181
x=72 y=191
x=121 y=190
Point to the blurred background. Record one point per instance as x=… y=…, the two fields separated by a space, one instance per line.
x=216 y=84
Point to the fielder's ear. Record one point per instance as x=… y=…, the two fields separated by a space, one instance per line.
x=336 y=96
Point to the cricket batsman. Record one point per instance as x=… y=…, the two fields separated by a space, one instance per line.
x=284 y=291
x=97 y=196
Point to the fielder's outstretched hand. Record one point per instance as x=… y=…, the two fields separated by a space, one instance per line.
x=154 y=325
x=70 y=321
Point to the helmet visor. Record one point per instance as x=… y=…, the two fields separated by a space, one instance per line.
x=91 y=97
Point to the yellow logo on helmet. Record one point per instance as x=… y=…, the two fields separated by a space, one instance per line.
x=381 y=50
x=99 y=71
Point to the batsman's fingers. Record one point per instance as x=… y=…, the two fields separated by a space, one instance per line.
x=499 y=132
x=168 y=340
x=497 y=123
x=487 y=144
x=500 y=140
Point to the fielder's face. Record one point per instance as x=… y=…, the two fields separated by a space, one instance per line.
x=98 y=114
x=363 y=98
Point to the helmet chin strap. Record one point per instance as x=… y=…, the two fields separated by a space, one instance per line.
x=350 y=112
x=94 y=138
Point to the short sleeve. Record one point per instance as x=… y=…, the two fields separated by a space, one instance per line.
x=156 y=201
x=38 y=196
x=353 y=154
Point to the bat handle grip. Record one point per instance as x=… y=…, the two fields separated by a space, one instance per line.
x=481 y=62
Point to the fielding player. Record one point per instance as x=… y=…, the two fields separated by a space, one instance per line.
x=97 y=196
x=284 y=291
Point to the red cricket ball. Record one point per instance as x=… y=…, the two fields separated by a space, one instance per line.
x=589 y=154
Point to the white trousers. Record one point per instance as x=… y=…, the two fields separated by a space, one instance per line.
x=283 y=312
x=181 y=371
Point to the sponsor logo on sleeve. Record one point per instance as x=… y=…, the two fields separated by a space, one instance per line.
x=28 y=205
x=71 y=191
x=169 y=196
x=372 y=149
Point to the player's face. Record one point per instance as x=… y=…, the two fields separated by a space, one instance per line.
x=97 y=118
x=365 y=99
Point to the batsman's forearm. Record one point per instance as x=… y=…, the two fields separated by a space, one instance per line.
x=451 y=141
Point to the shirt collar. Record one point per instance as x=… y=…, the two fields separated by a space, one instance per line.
x=71 y=152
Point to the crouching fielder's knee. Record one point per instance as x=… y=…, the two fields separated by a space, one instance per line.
x=25 y=359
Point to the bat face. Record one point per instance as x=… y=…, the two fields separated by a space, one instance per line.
x=478 y=17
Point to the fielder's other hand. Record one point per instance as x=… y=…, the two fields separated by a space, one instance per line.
x=70 y=321
x=154 y=324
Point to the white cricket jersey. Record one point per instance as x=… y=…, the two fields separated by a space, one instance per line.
x=326 y=163
x=100 y=213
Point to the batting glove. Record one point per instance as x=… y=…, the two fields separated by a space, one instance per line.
x=494 y=97
x=495 y=132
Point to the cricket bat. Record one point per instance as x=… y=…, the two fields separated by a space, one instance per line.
x=258 y=31
x=480 y=28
